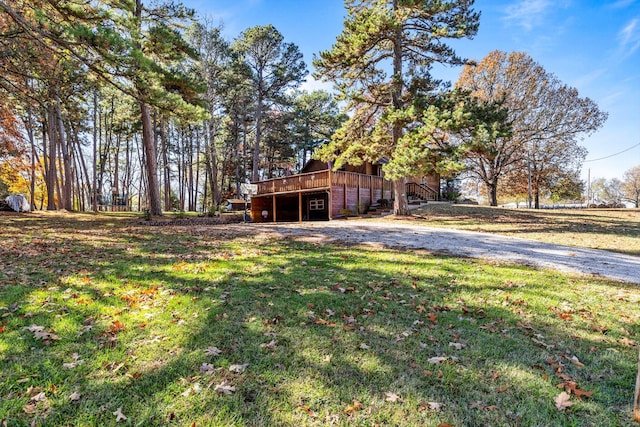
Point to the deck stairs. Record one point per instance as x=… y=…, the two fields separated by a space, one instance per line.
x=418 y=194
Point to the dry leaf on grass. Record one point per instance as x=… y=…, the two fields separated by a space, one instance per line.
x=225 y=388
x=194 y=389
x=562 y=401
x=576 y=362
x=119 y=415
x=308 y=410
x=270 y=346
x=392 y=397
x=212 y=351
x=238 y=369
x=437 y=360
x=354 y=407
x=207 y=368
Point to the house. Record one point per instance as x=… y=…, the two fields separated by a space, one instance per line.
x=319 y=193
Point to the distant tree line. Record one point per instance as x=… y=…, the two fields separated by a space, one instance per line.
x=144 y=105
x=122 y=103
x=614 y=192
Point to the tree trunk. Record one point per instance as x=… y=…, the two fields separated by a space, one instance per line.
x=165 y=164
x=153 y=192
x=34 y=156
x=67 y=179
x=197 y=175
x=492 y=192
x=400 y=204
x=94 y=181
x=256 y=147
x=51 y=172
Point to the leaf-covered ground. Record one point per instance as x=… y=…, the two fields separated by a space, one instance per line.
x=107 y=322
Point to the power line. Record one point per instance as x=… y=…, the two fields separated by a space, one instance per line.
x=613 y=155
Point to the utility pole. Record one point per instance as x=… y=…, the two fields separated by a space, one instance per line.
x=588 y=186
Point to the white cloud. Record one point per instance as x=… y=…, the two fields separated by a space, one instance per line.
x=587 y=79
x=620 y=4
x=629 y=37
x=312 y=84
x=527 y=13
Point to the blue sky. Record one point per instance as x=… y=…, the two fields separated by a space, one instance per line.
x=593 y=46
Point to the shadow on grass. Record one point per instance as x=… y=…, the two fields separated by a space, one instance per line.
x=350 y=324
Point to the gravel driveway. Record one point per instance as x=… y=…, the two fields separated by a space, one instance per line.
x=467 y=243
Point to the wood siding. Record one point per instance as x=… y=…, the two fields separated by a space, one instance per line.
x=347 y=190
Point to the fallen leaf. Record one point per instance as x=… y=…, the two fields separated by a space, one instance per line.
x=581 y=393
x=457 y=345
x=433 y=406
x=568 y=386
x=270 y=346
x=225 y=388
x=363 y=346
x=117 y=326
x=562 y=401
x=437 y=360
x=75 y=396
x=119 y=415
x=627 y=342
x=576 y=362
x=194 y=389
x=392 y=397
x=207 y=368
x=354 y=407
x=238 y=369
x=308 y=410
x=40 y=397
x=212 y=351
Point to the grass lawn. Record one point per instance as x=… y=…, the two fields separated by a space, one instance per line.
x=107 y=322
x=615 y=230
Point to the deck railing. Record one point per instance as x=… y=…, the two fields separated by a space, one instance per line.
x=421 y=191
x=319 y=179
x=304 y=181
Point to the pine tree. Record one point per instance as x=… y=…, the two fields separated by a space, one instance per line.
x=274 y=67
x=133 y=48
x=381 y=64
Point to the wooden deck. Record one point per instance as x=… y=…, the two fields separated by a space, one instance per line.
x=321 y=180
x=290 y=198
x=295 y=183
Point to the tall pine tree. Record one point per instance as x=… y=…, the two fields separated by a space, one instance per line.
x=381 y=64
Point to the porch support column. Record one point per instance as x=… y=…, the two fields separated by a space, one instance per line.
x=275 y=209
x=300 y=206
x=330 y=196
x=370 y=190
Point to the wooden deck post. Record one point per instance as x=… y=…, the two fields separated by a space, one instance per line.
x=358 y=196
x=370 y=190
x=300 y=206
x=344 y=205
x=330 y=195
x=274 y=208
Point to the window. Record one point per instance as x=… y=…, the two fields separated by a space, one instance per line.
x=316 y=204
